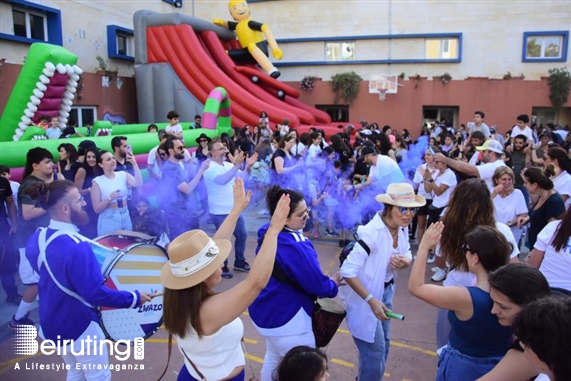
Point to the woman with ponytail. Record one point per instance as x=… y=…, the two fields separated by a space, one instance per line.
x=559 y=160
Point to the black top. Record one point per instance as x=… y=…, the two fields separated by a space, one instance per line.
x=553 y=207
x=283 y=179
x=126 y=166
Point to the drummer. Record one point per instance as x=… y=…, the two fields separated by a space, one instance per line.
x=282 y=312
x=372 y=276
x=67 y=306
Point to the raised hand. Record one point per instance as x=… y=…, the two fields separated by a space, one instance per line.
x=241 y=197
x=251 y=160
x=432 y=235
x=279 y=218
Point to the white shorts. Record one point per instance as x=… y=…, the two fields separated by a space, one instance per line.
x=27 y=273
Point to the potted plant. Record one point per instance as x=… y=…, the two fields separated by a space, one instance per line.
x=346 y=86
x=559 y=86
x=509 y=75
x=445 y=78
x=307 y=83
x=102 y=68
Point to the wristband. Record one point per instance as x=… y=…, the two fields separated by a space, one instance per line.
x=369 y=297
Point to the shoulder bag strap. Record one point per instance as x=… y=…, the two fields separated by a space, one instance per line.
x=202 y=378
x=168 y=358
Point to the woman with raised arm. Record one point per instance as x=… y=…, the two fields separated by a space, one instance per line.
x=282 y=312
x=477 y=340
x=207 y=324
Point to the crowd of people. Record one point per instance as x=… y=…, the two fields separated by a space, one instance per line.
x=471 y=196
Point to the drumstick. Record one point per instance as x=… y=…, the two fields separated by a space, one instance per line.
x=157 y=294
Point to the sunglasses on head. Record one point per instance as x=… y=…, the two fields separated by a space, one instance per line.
x=466 y=248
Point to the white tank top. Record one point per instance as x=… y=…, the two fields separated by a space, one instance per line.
x=216 y=355
x=108 y=186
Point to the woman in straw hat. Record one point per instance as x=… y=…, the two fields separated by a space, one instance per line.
x=371 y=276
x=206 y=324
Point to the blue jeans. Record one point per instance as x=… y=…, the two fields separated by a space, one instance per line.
x=180 y=221
x=454 y=365
x=373 y=356
x=525 y=192
x=113 y=219
x=240 y=234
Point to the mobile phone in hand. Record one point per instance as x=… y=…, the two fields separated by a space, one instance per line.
x=129 y=149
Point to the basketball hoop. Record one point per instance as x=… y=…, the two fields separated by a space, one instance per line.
x=382 y=94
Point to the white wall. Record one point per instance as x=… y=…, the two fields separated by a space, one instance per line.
x=492 y=31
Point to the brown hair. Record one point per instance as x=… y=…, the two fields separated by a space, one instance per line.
x=539 y=177
x=49 y=194
x=470 y=205
x=181 y=311
x=563 y=232
x=491 y=245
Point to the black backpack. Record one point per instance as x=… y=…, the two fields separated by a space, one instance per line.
x=349 y=248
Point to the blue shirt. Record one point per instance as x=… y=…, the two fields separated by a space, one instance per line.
x=72 y=262
x=278 y=302
x=481 y=335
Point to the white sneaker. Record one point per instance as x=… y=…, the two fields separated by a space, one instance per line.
x=431 y=258
x=439 y=276
x=434 y=269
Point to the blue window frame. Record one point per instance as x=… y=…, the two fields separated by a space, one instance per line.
x=34 y=23
x=120 y=43
x=442 y=58
x=550 y=46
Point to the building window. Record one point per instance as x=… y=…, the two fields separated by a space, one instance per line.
x=337 y=113
x=441 y=48
x=120 y=42
x=29 y=25
x=545 y=46
x=33 y=22
x=83 y=115
x=340 y=51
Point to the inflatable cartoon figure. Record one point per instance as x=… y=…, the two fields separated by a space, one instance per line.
x=253 y=36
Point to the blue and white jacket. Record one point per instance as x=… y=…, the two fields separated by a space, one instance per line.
x=280 y=302
x=72 y=262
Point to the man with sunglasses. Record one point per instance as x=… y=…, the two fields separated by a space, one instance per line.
x=179 y=180
x=152 y=164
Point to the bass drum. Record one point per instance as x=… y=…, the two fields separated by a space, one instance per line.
x=131 y=263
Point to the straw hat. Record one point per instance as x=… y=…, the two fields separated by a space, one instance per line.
x=193 y=257
x=401 y=194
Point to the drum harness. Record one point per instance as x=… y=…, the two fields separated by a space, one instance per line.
x=43 y=245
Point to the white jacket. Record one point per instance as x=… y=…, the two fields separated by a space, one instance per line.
x=373 y=271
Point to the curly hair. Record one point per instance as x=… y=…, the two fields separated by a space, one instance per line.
x=470 y=205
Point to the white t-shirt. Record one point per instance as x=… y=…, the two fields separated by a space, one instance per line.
x=174 y=129
x=555 y=265
x=313 y=151
x=220 y=196
x=386 y=170
x=461 y=278
x=447 y=178
x=418 y=179
x=297 y=149
x=506 y=208
x=487 y=172
x=526 y=131
x=562 y=184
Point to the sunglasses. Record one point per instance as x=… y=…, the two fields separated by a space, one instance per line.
x=202 y=140
x=161 y=154
x=404 y=209
x=305 y=213
x=466 y=248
